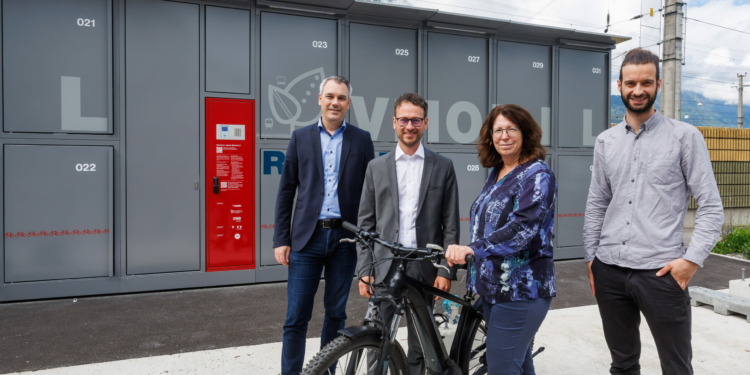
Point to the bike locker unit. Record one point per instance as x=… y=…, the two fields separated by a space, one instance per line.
x=120 y=116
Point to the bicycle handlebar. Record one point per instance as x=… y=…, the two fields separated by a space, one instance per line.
x=351 y=227
x=395 y=248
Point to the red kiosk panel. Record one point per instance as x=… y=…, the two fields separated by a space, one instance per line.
x=230 y=184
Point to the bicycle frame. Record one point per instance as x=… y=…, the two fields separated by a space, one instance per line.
x=418 y=304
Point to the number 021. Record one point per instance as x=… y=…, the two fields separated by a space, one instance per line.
x=85 y=22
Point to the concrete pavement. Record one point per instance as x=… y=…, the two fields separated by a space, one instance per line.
x=572 y=337
x=59 y=333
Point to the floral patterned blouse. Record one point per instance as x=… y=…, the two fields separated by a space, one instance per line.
x=511 y=230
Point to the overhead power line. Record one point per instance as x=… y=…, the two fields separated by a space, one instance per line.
x=706 y=79
x=723 y=27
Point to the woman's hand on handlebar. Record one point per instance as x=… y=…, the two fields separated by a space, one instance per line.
x=456 y=254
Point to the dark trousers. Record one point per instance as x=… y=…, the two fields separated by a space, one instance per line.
x=623 y=294
x=305 y=267
x=510 y=328
x=414 y=354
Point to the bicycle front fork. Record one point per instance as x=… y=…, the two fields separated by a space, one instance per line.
x=389 y=332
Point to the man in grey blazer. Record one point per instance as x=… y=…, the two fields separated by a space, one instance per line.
x=410 y=196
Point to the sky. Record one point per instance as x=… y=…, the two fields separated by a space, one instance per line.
x=713 y=55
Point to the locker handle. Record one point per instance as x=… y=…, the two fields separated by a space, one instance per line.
x=216 y=185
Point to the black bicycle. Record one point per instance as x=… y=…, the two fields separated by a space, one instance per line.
x=347 y=354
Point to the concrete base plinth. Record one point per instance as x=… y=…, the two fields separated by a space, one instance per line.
x=740 y=288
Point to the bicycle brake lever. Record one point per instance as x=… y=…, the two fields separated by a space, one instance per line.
x=350 y=240
x=435 y=247
x=442 y=266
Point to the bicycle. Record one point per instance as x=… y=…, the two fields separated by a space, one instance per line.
x=347 y=353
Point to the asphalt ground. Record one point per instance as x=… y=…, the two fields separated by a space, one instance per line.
x=55 y=333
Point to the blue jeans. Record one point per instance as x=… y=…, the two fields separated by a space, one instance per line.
x=305 y=267
x=510 y=328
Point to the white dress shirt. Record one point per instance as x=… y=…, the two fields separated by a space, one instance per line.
x=409 y=177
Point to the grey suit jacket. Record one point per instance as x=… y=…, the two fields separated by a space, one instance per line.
x=437 y=213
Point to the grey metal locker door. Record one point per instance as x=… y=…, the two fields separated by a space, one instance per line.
x=383 y=64
x=296 y=53
x=271 y=165
x=573 y=188
x=56 y=66
x=457 y=87
x=227 y=50
x=583 y=97
x=524 y=77
x=162 y=114
x=471 y=177
x=58 y=212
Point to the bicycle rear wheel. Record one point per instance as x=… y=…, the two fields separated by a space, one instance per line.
x=344 y=356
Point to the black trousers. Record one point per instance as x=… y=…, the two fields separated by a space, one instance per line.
x=414 y=354
x=623 y=294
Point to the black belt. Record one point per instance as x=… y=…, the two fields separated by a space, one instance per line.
x=329 y=223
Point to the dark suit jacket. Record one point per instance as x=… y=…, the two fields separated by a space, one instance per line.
x=437 y=211
x=303 y=174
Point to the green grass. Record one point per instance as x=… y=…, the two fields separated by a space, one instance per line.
x=734 y=240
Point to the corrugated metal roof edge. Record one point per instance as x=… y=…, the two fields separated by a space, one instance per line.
x=446 y=19
x=491 y=25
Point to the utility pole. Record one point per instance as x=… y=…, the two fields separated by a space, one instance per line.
x=671 y=86
x=740 y=88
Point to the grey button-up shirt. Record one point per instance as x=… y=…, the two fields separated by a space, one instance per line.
x=640 y=188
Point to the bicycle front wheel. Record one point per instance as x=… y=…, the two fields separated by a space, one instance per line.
x=344 y=356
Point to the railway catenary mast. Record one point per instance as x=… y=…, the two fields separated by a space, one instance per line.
x=143 y=139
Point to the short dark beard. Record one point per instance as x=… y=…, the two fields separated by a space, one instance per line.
x=416 y=141
x=646 y=108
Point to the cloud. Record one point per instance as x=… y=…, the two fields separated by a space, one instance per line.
x=719 y=57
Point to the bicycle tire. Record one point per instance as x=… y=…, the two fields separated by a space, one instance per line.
x=343 y=345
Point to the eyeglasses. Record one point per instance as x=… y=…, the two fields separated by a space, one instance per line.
x=415 y=122
x=510 y=131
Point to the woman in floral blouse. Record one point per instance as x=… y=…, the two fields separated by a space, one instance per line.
x=511 y=230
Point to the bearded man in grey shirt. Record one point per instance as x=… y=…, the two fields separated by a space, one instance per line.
x=645 y=170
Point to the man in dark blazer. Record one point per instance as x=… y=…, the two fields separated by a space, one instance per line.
x=410 y=197
x=325 y=166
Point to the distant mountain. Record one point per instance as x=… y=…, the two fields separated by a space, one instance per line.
x=711 y=113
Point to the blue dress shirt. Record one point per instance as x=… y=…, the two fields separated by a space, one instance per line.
x=330 y=145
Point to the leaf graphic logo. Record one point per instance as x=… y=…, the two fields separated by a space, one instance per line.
x=286 y=104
